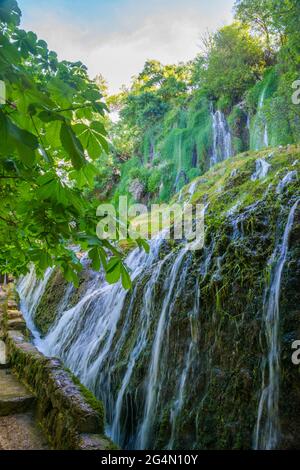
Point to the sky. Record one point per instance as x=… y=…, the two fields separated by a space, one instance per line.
x=116 y=37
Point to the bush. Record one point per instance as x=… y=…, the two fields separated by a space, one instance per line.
x=154 y=181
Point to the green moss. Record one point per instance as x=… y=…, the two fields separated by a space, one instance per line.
x=219 y=408
x=180 y=144
x=90 y=398
x=46 y=312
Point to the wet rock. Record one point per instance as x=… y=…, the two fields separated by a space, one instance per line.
x=96 y=442
x=262 y=169
x=137 y=189
x=17 y=324
x=289 y=178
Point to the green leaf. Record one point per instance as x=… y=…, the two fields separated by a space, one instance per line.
x=113 y=270
x=53 y=133
x=100 y=107
x=143 y=244
x=50 y=116
x=85 y=176
x=10 y=12
x=62 y=92
x=102 y=255
x=22 y=136
x=126 y=281
x=8 y=51
x=92 y=138
x=71 y=276
x=95 y=257
x=72 y=146
x=47 y=191
x=13 y=137
x=25 y=42
x=44 y=260
x=89 y=239
x=55 y=191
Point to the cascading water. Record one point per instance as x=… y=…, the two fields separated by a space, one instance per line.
x=84 y=335
x=192 y=188
x=154 y=355
x=289 y=178
x=267 y=431
x=30 y=287
x=191 y=352
x=261 y=169
x=222 y=143
x=152 y=391
x=141 y=343
x=266 y=136
x=259 y=135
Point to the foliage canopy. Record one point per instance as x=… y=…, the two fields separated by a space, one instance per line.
x=52 y=133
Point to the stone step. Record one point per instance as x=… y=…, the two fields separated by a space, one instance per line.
x=14 y=397
x=12 y=304
x=3 y=295
x=12 y=314
x=3 y=358
x=17 y=324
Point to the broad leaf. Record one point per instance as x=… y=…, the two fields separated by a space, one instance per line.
x=72 y=146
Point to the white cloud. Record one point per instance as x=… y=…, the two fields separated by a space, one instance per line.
x=118 y=49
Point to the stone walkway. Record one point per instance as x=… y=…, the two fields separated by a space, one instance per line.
x=19 y=429
x=20 y=432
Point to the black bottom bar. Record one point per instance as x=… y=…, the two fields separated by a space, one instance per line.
x=136 y=459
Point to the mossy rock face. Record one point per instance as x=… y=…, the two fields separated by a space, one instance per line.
x=290 y=332
x=92 y=401
x=54 y=300
x=47 y=310
x=215 y=324
x=219 y=409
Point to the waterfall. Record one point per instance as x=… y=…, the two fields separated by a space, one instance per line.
x=139 y=346
x=289 y=178
x=267 y=431
x=179 y=401
x=83 y=335
x=248 y=124
x=266 y=136
x=152 y=390
x=262 y=97
x=140 y=351
x=31 y=289
x=259 y=133
x=222 y=144
x=192 y=189
x=261 y=169
x=87 y=339
x=178 y=404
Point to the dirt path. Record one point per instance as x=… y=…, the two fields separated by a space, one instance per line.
x=20 y=432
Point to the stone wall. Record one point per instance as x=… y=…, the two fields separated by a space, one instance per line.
x=70 y=416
